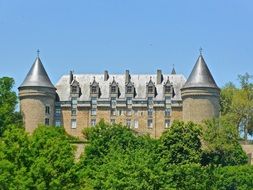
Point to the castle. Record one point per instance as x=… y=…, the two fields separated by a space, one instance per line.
x=146 y=103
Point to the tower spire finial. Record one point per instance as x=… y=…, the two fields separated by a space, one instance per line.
x=38 y=53
x=200 y=50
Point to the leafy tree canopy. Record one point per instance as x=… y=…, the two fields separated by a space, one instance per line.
x=8 y=102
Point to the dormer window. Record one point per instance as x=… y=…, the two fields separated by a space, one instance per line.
x=129 y=89
x=168 y=89
x=94 y=89
x=150 y=88
x=114 y=89
x=74 y=89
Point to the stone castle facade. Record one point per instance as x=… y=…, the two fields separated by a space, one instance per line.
x=146 y=103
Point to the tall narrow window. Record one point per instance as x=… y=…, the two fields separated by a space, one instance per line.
x=113 y=102
x=150 y=112
x=150 y=123
x=128 y=123
x=136 y=124
x=47 y=110
x=167 y=112
x=93 y=122
x=73 y=123
x=46 y=121
x=93 y=111
x=167 y=123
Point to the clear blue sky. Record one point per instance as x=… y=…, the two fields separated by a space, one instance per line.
x=139 y=35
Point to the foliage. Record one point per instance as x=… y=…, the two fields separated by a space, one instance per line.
x=233 y=177
x=180 y=144
x=43 y=160
x=237 y=103
x=52 y=159
x=117 y=158
x=221 y=145
x=8 y=101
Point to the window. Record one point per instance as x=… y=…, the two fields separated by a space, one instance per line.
x=113 y=89
x=74 y=89
x=94 y=101
x=167 y=123
x=57 y=123
x=112 y=121
x=150 y=89
x=46 y=121
x=129 y=100
x=73 y=123
x=73 y=111
x=74 y=101
x=150 y=112
x=129 y=112
x=128 y=123
x=113 y=102
x=93 y=111
x=93 y=122
x=167 y=100
x=150 y=100
x=129 y=89
x=120 y=112
x=167 y=112
x=58 y=111
x=167 y=89
x=150 y=123
x=47 y=110
x=93 y=89
x=113 y=112
x=136 y=124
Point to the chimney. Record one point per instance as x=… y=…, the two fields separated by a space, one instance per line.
x=106 y=75
x=127 y=77
x=159 y=77
x=70 y=77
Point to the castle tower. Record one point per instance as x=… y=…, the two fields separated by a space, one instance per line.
x=37 y=97
x=200 y=94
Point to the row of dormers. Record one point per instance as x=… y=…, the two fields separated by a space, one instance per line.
x=114 y=89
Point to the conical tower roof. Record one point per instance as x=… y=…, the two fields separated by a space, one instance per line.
x=37 y=76
x=200 y=76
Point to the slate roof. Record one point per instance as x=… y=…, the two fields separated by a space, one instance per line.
x=200 y=76
x=37 y=76
x=140 y=81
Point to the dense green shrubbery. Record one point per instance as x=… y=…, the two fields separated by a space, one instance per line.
x=116 y=158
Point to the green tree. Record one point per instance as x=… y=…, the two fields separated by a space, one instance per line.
x=180 y=144
x=15 y=159
x=233 y=178
x=221 y=144
x=237 y=104
x=117 y=158
x=52 y=164
x=8 y=102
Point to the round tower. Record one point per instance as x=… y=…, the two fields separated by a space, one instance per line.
x=200 y=94
x=37 y=97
